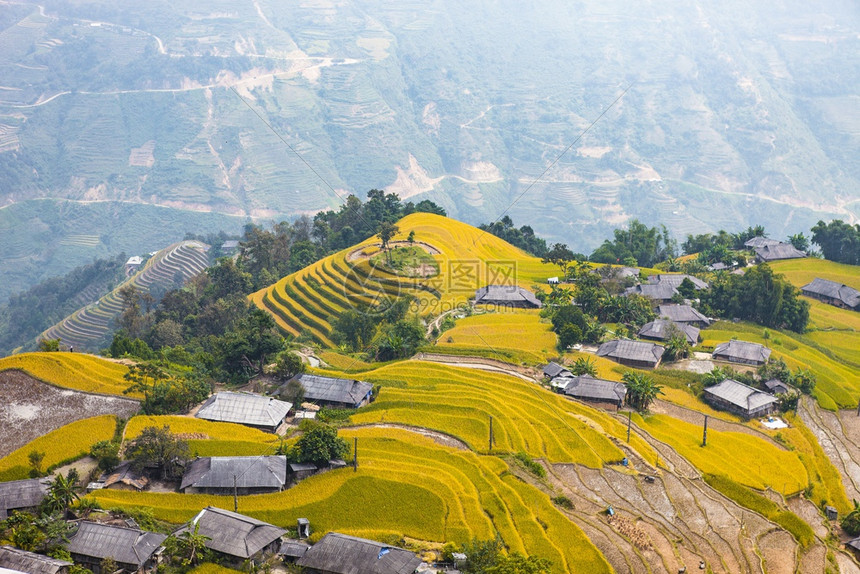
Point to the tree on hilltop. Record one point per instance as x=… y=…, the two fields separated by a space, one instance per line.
x=386 y=231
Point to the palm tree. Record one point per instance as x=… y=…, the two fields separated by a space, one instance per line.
x=61 y=494
x=584 y=366
x=851 y=521
x=677 y=347
x=641 y=390
x=715 y=376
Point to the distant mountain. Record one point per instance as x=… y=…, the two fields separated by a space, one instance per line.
x=737 y=113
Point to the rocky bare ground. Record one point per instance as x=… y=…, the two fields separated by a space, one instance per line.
x=30 y=408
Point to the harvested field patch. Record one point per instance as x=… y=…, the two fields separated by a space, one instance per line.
x=30 y=408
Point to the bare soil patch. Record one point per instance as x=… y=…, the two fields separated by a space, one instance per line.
x=30 y=408
x=441 y=438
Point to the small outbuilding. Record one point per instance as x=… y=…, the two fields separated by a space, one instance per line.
x=777 y=251
x=245 y=474
x=507 y=296
x=683 y=314
x=776 y=387
x=132 y=549
x=632 y=353
x=833 y=293
x=21 y=495
x=257 y=411
x=235 y=535
x=760 y=241
x=663 y=329
x=608 y=394
x=292 y=550
x=125 y=477
x=740 y=399
x=675 y=280
x=334 y=391
x=337 y=553
x=657 y=292
x=742 y=352
x=553 y=370
x=18 y=560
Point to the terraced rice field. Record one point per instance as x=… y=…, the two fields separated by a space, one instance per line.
x=460 y=401
x=207 y=438
x=68 y=442
x=307 y=301
x=520 y=334
x=408 y=486
x=72 y=370
x=86 y=328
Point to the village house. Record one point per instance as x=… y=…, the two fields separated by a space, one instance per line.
x=657 y=292
x=240 y=474
x=257 y=411
x=553 y=370
x=125 y=477
x=663 y=329
x=683 y=314
x=132 y=549
x=833 y=293
x=740 y=399
x=777 y=251
x=506 y=296
x=15 y=560
x=760 y=241
x=291 y=550
x=21 y=495
x=741 y=352
x=632 y=353
x=776 y=387
x=675 y=280
x=607 y=394
x=333 y=391
x=236 y=536
x=338 y=553
x=133 y=265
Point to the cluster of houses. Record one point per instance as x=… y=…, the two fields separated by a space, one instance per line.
x=235 y=538
x=767 y=249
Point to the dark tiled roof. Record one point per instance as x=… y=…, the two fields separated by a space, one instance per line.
x=832 y=290
x=29 y=562
x=741 y=351
x=250 y=472
x=587 y=387
x=778 y=251
x=675 y=280
x=741 y=395
x=234 y=534
x=760 y=241
x=622 y=349
x=125 y=545
x=293 y=548
x=681 y=314
x=662 y=329
x=21 y=494
x=554 y=369
x=244 y=408
x=656 y=291
x=776 y=386
x=502 y=294
x=331 y=389
x=342 y=554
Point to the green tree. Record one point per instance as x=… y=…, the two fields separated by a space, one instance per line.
x=106 y=452
x=49 y=345
x=569 y=335
x=516 y=563
x=715 y=376
x=788 y=401
x=159 y=448
x=144 y=378
x=35 y=457
x=851 y=521
x=61 y=494
x=293 y=392
x=288 y=364
x=386 y=231
x=560 y=255
x=481 y=555
x=641 y=390
x=805 y=380
x=839 y=241
x=677 y=347
x=355 y=329
x=584 y=366
x=320 y=444
x=799 y=241
x=188 y=548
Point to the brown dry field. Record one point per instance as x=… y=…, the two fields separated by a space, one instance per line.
x=30 y=408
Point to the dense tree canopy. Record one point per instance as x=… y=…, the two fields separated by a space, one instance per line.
x=645 y=245
x=839 y=241
x=523 y=237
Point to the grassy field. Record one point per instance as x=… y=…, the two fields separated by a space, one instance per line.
x=744 y=458
x=520 y=334
x=803 y=271
x=526 y=417
x=408 y=486
x=66 y=443
x=72 y=370
x=838 y=385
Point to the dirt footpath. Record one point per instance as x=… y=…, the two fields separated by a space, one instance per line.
x=30 y=408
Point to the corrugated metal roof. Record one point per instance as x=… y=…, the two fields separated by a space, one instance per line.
x=334 y=390
x=250 y=472
x=244 y=408
x=832 y=290
x=681 y=314
x=342 y=554
x=776 y=251
x=622 y=349
x=22 y=493
x=740 y=351
x=662 y=329
x=587 y=387
x=741 y=395
x=505 y=294
x=125 y=545
x=29 y=562
x=675 y=280
x=234 y=534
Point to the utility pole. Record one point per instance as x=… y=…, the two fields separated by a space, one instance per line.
x=629 y=418
x=235 y=496
x=705 y=433
x=355 y=455
x=491 y=433
x=858 y=408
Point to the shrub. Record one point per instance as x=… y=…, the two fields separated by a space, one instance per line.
x=533 y=467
